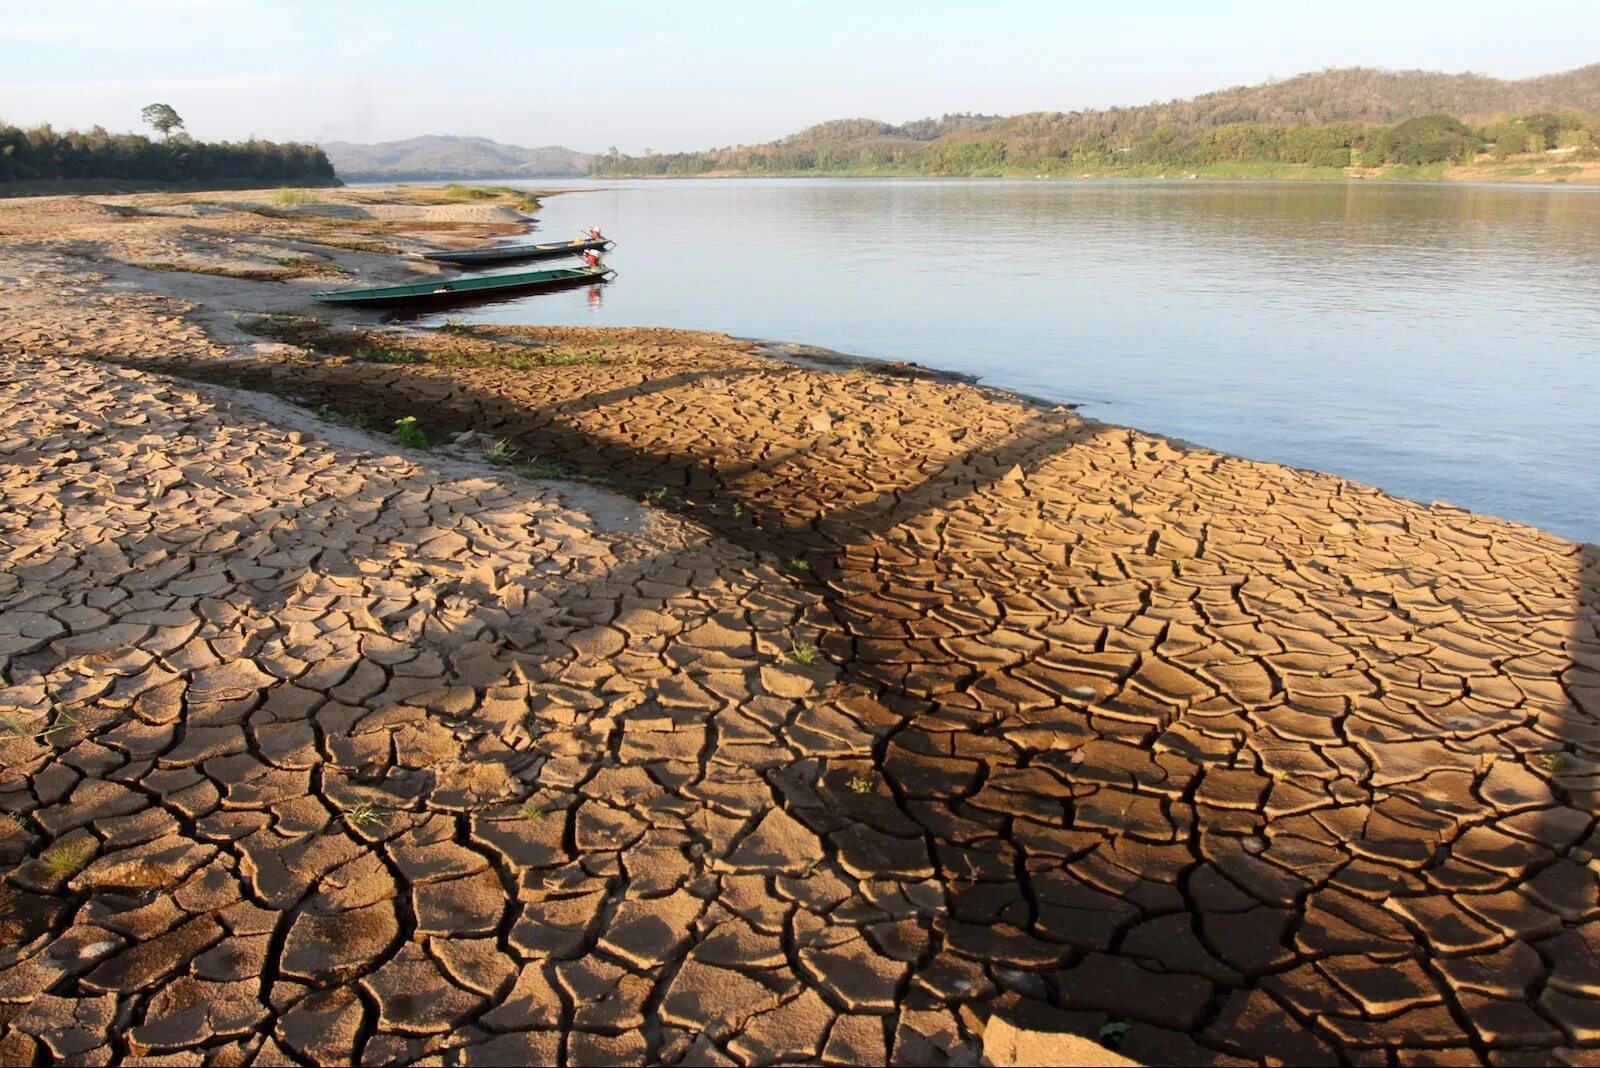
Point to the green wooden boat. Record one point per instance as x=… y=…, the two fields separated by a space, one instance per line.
x=477 y=286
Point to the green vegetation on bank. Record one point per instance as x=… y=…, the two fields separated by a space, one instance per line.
x=1243 y=150
x=294 y=197
x=1309 y=126
x=455 y=193
x=31 y=160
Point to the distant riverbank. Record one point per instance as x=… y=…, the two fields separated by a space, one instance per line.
x=1520 y=171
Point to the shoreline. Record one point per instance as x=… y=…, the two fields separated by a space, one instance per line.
x=681 y=697
x=1549 y=510
x=1587 y=177
x=452 y=221
x=1589 y=180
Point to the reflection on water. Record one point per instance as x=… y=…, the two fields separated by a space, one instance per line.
x=1437 y=341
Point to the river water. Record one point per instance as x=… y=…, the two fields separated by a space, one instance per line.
x=1437 y=341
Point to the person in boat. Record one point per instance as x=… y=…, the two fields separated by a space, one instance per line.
x=591 y=258
x=594 y=234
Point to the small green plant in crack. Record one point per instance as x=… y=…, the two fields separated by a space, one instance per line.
x=364 y=814
x=500 y=452
x=12 y=727
x=810 y=870
x=530 y=811
x=861 y=784
x=453 y=325
x=407 y=432
x=537 y=468
x=1552 y=761
x=657 y=495
x=380 y=354
x=574 y=359
x=1112 y=1033
x=66 y=859
x=804 y=653
x=797 y=563
x=22 y=820
x=738 y=509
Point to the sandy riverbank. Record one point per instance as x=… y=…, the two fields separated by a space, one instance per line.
x=746 y=710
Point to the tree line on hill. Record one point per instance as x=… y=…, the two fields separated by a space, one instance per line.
x=43 y=154
x=1334 y=118
x=1420 y=141
x=1049 y=145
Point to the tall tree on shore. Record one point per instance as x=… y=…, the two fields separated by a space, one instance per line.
x=162 y=117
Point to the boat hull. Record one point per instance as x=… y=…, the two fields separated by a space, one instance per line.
x=514 y=253
x=466 y=290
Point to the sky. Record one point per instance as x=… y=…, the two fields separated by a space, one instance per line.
x=670 y=76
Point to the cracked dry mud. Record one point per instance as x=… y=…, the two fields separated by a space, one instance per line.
x=320 y=753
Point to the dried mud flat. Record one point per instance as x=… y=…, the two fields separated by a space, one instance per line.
x=904 y=721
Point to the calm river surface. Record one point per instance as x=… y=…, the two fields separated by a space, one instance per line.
x=1438 y=341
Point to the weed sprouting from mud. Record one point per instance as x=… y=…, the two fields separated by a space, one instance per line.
x=407 y=432
x=66 y=859
x=364 y=814
x=804 y=653
x=500 y=452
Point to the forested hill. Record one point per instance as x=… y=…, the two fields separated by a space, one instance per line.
x=1330 y=118
x=1369 y=95
x=434 y=157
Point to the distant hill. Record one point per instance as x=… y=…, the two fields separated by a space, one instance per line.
x=433 y=157
x=872 y=129
x=1333 y=112
x=1367 y=94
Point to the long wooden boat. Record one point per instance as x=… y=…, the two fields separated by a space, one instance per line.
x=477 y=286
x=509 y=253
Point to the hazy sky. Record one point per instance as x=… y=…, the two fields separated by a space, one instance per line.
x=665 y=75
